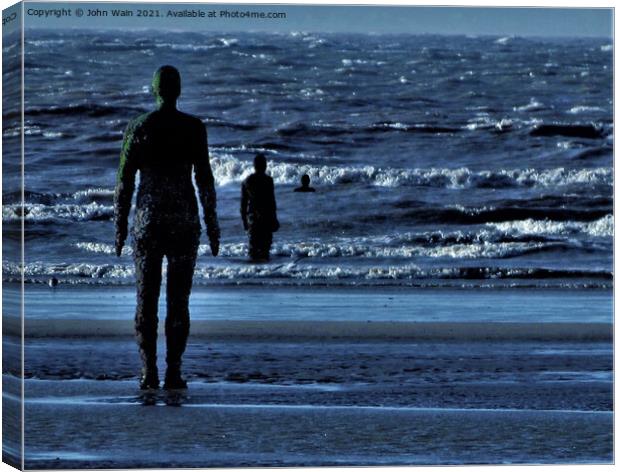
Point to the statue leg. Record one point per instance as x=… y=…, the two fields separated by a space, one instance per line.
x=181 y=263
x=260 y=243
x=253 y=243
x=148 y=261
x=266 y=246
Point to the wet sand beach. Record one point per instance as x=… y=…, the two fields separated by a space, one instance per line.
x=328 y=391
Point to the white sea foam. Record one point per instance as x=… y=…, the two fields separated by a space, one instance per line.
x=455 y=251
x=32 y=130
x=12 y=132
x=603 y=227
x=102 y=248
x=228 y=170
x=312 y=92
x=483 y=121
x=485 y=250
x=80 y=270
x=263 y=57
x=314 y=41
x=38 y=213
x=534 y=105
x=93 y=192
x=503 y=40
x=46 y=42
x=351 y=62
x=227 y=42
x=376 y=273
x=10 y=47
x=482 y=246
x=296 y=274
x=190 y=47
x=309 y=272
x=222 y=42
x=584 y=109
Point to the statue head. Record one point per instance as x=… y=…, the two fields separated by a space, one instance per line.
x=305 y=180
x=166 y=85
x=260 y=163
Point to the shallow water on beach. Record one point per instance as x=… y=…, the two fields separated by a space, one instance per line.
x=314 y=403
x=347 y=305
x=425 y=152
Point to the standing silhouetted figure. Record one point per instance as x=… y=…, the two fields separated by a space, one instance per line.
x=165 y=145
x=258 y=210
x=305 y=185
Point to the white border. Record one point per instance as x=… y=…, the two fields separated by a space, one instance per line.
x=460 y=3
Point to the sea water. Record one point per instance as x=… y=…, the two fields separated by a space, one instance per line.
x=424 y=152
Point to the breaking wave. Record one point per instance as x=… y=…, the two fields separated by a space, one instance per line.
x=603 y=227
x=228 y=170
x=59 y=213
x=497 y=240
x=123 y=274
x=318 y=249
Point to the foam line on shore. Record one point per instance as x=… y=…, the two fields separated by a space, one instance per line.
x=330 y=330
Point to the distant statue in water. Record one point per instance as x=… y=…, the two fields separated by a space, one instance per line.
x=165 y=145
x=305 y=184
x=258 y=210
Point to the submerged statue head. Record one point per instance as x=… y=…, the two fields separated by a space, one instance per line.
x=166 y=85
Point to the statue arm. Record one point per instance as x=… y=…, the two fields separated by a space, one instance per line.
x=244 y=206
x=206 y=191
x=276 y=223
x=125 y=184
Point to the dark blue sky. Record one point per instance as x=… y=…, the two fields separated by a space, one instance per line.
x=395 y=19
